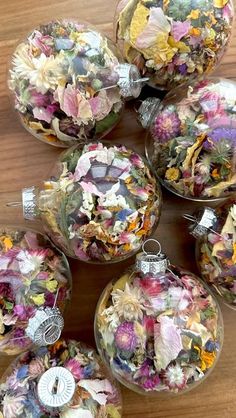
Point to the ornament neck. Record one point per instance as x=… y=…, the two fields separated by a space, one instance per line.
x=130 y=80
x=202 y=222
x=28 y=203
x=153 y=262
x=147 y=111
x=46 y=326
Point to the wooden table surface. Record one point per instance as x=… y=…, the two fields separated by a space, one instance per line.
x=26 y=161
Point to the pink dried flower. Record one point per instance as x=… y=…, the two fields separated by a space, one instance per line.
x=212 y=105
x=43 y=42
x=23 y=312
x=152 y=287
x=151 y=382
x=180 y=29
x=36 y=367
x=75 y=368
x=174 y=377
x=148 y=323
x=167 y=126
x=39 y=100
x=136 y=160
x=125 y=337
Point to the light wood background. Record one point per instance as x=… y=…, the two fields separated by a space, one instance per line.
x=25 y=161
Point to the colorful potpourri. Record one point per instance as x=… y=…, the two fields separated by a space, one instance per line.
x=33 y=275
x=101 y=204
x=65 y=80
x=89 y=391
x=158 y=327
x=216 y=252
x=173 y=41
x=192 y=140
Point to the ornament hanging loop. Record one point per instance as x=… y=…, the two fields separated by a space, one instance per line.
x=153 y=252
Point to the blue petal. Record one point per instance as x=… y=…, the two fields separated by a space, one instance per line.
x=122 y=215
x=22 y=372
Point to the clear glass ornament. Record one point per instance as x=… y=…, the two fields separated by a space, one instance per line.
x=215 y=231
x=100 y=203
x=192 y=139
x=173 y=41
x=158 y=327
x=63 y=380
x=69 y=82
x=35 y=286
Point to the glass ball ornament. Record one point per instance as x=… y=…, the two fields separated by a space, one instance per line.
x=215 y=231
x=66 y=380
x=174 y=41
x=100 y=203
x=35 y=286
x=191 y=140
x=158 y=327
x=68 y=82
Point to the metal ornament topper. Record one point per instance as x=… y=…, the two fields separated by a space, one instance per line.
x=56 y=387
x=152 y=262
x=202 y=222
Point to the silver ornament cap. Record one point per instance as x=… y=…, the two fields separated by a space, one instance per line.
x=147 y=111
x=130 y=81
x=29 y=202
x=56 y=387
x=203 y=222
x=46 y=326
x=152 y=262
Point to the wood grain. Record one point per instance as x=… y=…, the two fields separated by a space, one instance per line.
x=26 y=161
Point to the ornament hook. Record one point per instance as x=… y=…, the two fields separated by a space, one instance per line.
x=189 y=217
x=14 y=204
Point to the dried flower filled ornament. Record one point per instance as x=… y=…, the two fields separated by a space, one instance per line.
x=66 y=380
x=69 y=83
x=191 y=143
x=173 y=41
x=35 y=286
x=215 y=230
x=158 y=327
x=100 y=203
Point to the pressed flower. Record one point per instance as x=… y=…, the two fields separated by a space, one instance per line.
x=166 y=126
x=125 y=337
x=175 y=377
x=36 y=367
x=13 y=406
x=207 y=359
x=172 y=174
x=75 y=368
x=30 y=261
x=129 y=303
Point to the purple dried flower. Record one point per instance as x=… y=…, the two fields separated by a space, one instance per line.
x=125 y=337
x=23 y=312
x=166 y=126
x=183 y=69
x=6 y=291
x=19 y=338
x=219 y=134
x=151 y=382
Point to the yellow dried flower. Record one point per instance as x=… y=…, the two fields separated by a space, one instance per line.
x=172 y=174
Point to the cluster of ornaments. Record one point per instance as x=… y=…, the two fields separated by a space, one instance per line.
x=158 y=328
